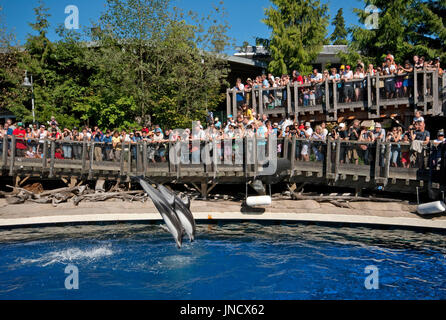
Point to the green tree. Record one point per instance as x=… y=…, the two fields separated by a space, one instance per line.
x=298 y=29
x=9 y=72
x=339 y=35
x=171 y=69
x=405 y=28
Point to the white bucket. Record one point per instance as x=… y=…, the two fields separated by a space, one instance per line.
x=431 y=207
x=258 y=201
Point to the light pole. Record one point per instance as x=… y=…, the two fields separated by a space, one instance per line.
x=27 y=84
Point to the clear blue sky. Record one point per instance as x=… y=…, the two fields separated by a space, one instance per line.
x=244 y=17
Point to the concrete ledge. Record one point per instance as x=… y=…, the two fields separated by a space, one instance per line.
x=205 y=216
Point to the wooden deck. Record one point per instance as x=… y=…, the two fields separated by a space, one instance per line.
x=373 y=103
x=332 y=170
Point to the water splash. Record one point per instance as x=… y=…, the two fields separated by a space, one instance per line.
x=70 y=255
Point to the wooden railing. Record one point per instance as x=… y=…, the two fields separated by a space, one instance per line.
x=427 y=93
x=305 y=159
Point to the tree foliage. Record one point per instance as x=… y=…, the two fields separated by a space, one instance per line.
x=405 y=28
x=339 y=35
x=298 y=30
x=143 y=61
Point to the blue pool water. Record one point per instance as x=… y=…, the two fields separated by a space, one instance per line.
x=228 y=261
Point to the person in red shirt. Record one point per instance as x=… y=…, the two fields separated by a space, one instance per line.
x=20 y=134
x=58 y=154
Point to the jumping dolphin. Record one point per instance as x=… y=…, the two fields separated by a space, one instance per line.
x=181 y=209
x=168 y=214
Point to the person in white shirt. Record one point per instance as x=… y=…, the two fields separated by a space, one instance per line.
x=359 y=75
x=347 y=76
x=438 y=143
x=305 y=145
x=316 y=145
x=389 y=83
x=316 y=77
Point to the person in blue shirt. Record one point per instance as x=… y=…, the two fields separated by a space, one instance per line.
x=98 y=138
x=107 y=146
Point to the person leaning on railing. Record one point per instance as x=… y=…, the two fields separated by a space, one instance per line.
x=394 y=136
x=347 y=77
x=98 y=138
x=66 y=146
x=117 y=146
x=341 y=133
x=438 y=144
x=366 y=136
x=353 y=135
x=420 y=138
x=20 y=134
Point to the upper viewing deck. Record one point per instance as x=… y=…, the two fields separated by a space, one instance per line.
x=365 y=98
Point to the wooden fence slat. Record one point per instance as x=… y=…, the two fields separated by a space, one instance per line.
x=13 y=155
x=52 y=158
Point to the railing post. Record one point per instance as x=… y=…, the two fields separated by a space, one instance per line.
x=139 y=163
x=377 y=160
x=436 y=107
x=45 y=155
x=52 y=158
x=328 y=164
x=296 y=100
x=84 y=155
x=234 y=103
x=254 y=102
x=90 y=165
x=293 y=155
x=337 y=158
x=5 y=151
x=121 y=160
x=286 y=143
x=415 y=87
x=129 y=151
x=387 y=165
x=327 y=95
x=215 y=156
x=335 y=100
x=369 y=93
x=228 y=102
x=378 y=108
x=288 y=98
x=254 y=148
x=144 y=160
x=13 y=151
x=260 y=101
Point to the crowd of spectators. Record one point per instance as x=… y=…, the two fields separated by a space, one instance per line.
x=410 y=146
x=408 y=149
x=350 y=82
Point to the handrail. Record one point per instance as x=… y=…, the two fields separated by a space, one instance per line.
x=372 y=94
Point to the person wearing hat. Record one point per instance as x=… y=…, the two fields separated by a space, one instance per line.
x=308 y=132
x=440 y=138
x=439 y=144
x=341 y=133
x=217 y=123
x=20 y=146
x=379 y=133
